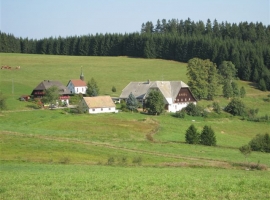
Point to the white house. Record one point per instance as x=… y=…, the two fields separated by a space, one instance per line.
x=177 y=94
x=77 y=86
x=98 y=104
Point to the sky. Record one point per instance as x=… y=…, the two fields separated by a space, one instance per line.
x=37 y=19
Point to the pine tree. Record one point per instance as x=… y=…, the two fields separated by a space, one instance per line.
x=262 y=85
x=242 y=92
x=192 y=136
x=208 y=136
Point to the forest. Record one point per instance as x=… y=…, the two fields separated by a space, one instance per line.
x=246 y=45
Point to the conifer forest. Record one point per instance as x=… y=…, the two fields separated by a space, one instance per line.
x=246 y=45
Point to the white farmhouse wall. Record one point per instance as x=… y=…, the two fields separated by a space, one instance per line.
x=101 y=110
x=178 y=106
x=79 y=90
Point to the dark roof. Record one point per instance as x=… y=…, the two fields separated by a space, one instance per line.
x=46 y=84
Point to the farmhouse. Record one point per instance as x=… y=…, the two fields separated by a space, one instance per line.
x=77 y=86
x=177 y=94
x=40 y=90
x=98 y=104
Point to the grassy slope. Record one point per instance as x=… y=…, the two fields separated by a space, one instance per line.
x=101 y=182
x=57 y=137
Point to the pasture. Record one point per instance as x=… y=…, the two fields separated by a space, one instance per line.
x=69 y=156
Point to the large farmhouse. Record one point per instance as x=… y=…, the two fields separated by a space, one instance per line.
x=98 y=104
x=40 y=90
x=177 y=94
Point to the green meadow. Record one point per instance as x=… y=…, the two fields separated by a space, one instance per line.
x=60 y=155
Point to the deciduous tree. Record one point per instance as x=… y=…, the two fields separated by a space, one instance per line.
x=154 y=102
x=51 y=96
x=92 y=88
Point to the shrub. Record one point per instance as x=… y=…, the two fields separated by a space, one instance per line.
x=216 y=107
x=180 y=114
x=236 y=107
x=245 y=150
x=137 y=160
x=208 y=136
x=113 y=89
x=110 y=160
x=192 y=136
x=194 y=110
x=260 y=143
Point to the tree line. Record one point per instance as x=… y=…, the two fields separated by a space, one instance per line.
x=246 y=45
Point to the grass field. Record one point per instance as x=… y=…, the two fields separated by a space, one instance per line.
x=60 y=155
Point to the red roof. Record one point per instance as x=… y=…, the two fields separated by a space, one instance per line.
x=78 y=83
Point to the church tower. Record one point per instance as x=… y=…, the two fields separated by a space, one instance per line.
x=82 y=76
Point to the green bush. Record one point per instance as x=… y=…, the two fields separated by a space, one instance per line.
x=216 y=107
x=194 y=110
x=260 y=143
x=137 y=160
x=180 y=114
x=236 y=107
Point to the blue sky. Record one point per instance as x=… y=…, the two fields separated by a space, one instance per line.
x=37 y=19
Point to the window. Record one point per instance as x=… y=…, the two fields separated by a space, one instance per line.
x=77 y=89
x=109 y=108
x=101 y=109
x=93 y=109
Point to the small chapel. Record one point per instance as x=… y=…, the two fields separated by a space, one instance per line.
x=77 y=86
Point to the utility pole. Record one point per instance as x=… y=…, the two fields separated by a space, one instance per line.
x=12 y=87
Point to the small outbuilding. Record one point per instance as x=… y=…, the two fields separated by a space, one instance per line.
x=98 y=104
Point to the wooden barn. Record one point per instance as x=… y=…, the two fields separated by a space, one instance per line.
x=40 y=89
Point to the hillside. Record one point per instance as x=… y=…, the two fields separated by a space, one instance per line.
x=36 y=142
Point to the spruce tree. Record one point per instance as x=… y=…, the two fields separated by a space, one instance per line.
x=132 y=103
x=208 y=136
x=192 y=136
x=242 y=92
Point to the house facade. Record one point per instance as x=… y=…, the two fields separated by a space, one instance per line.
x=77 y=86
x=40 y=90
x=98 y=104
x=176 y=94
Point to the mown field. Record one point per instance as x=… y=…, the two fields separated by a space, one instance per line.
x=120 y=156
